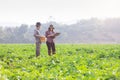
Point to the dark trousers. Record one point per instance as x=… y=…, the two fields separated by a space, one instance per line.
x=51 y=47
x=37 y=49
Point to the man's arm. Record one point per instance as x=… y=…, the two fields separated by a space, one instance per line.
x=36 y=34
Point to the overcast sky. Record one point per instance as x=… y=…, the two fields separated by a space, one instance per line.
x=65 y=11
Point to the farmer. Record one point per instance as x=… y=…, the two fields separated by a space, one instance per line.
x=50 y=40
x=37 y=38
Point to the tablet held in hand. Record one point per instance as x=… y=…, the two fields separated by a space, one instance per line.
x=57 y=34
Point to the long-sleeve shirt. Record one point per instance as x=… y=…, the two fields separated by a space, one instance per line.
x=37 y=35
x=49 y=38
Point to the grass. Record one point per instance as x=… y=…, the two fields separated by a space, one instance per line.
x=71 y=62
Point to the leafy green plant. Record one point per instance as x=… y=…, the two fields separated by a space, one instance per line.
x=71 y=62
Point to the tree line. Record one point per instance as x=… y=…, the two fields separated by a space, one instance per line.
x=84 y=31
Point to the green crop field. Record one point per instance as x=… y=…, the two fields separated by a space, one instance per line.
x=71 y=62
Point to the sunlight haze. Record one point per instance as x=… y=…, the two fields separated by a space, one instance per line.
x=62 y=11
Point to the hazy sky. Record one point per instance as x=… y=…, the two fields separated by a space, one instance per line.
x=65 y=11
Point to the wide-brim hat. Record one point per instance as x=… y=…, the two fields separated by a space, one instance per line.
x=51 y=26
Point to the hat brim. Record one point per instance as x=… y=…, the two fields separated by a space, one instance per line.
x=51 y=27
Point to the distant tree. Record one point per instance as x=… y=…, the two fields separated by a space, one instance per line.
x=84 y=31
x=1 y=34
